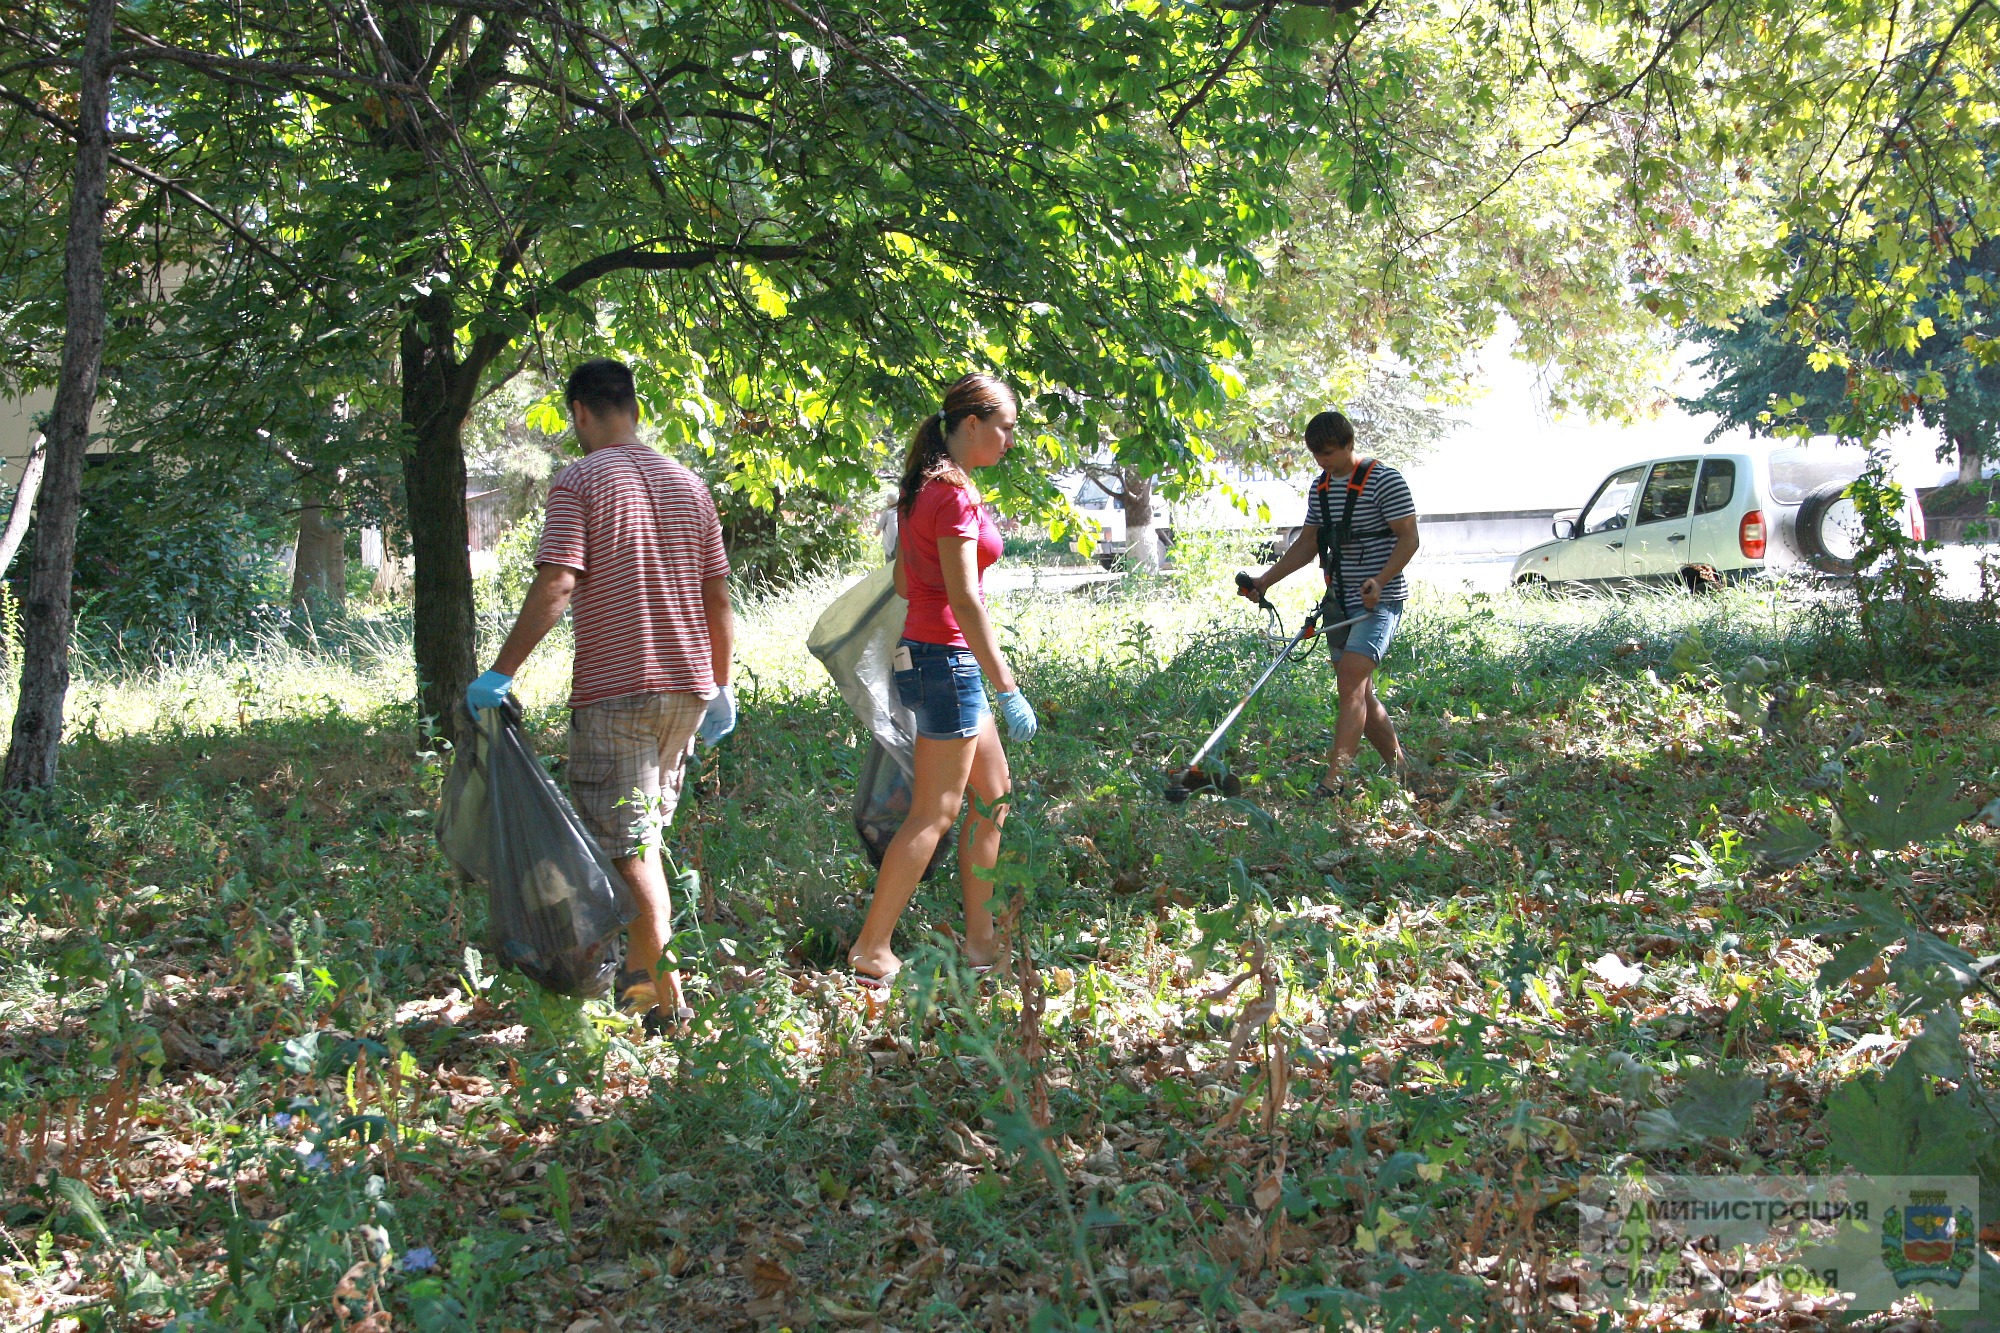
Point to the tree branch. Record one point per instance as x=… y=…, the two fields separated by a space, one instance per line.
x=645 y=258
x=153 y=49
x=1102 y=475
x=640 y=258
x=128 y=165
x=1215 y=75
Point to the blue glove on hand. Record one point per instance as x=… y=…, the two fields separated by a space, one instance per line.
x=720 y=719
x=489 y=691
x=1020 y=716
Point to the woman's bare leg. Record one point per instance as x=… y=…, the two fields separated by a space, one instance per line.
x=979 y=841
x=943 y=767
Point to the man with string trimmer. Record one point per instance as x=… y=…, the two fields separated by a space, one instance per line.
x=1361 y=525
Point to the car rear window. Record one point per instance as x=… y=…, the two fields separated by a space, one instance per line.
x=1795 y=473
x=1718 y=486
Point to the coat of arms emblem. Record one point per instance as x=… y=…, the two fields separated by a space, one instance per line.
x=1927 y=1240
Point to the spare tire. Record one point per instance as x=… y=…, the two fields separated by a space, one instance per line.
x=1828 y=529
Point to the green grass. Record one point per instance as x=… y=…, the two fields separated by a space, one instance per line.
x=238 y=1009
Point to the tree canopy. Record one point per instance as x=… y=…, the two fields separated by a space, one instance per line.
x=797 y=223
x=1768 y=381
x=332 y=229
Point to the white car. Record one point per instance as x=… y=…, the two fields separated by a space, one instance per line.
x=1702 y=516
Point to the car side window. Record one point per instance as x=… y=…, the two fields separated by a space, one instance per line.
x=1611 y=508
x=1718 y=486
x=1668 y=491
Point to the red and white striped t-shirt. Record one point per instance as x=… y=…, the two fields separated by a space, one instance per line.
x=642 y=531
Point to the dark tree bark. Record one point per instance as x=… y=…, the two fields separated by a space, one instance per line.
x=438 y=392
x=38 y=715
x=24 y=504
x=319 y=561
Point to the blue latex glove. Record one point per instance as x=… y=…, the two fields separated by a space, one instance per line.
x=720 y=719
x=489 y=691
x=1019 y=714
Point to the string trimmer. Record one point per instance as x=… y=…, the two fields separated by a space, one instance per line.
x=1194 y=776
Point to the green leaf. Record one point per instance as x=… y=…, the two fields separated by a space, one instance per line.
x=1714 y=1105
x=1786 y=841
x=1257 y=814
x=1893 y=1126
x=1658 y=1129
x=1891 y=806
x=1939 y=1050
x=1689 y=655
x=1851 y=959
x=1932 y=972
x=84 y=1204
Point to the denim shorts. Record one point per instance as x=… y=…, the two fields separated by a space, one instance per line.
x=1372 y=637
x=943 y=686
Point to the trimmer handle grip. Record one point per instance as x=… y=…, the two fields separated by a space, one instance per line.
x=1245 y=583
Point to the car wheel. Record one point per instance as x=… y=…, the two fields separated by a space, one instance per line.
x=1532 y=583
x=1829 y=529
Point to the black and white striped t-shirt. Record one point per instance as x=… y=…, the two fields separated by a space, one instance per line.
x=1385 y=496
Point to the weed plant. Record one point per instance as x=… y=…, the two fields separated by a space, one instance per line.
x=1259 y=1059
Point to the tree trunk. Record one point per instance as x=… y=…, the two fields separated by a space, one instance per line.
x=24 y=504
x=437 y=397
x=392 y=576
x=1142 y=543
x=38 y=715
x=319 y=561
x=1970 y=457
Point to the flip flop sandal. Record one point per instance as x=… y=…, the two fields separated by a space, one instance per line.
x=871 y=983
x=1322 y=792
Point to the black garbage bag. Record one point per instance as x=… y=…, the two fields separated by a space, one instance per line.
x=882 y=802
x=555 y=902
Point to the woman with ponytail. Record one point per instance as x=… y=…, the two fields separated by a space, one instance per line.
x=948 y=653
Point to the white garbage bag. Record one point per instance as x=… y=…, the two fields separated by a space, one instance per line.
x=855 y=640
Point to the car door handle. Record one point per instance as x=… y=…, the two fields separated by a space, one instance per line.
x=1678 y=537
x=1614 y=546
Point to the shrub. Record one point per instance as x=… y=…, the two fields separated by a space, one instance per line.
x=806 y=531
x=156 y=556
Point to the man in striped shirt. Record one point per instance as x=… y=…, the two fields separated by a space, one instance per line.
x=632 y=548
x=1362 y=525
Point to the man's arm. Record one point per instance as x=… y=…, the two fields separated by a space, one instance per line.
x=1406 y=547
x=1302 y=552
x=721 y=626
x=548 y=597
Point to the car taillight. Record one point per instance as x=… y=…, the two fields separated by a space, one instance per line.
x=1750 y=535
x=1917 y=528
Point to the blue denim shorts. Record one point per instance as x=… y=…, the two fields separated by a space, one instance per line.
x=1372 y=637
x=943 y=686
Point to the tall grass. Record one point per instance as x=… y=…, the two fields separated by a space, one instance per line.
x=360 y=666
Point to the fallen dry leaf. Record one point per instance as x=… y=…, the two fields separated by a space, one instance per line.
x=767 y=1276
